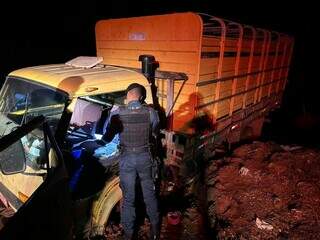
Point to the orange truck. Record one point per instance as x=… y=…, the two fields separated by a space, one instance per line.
x=212 y=79
x=236 y=73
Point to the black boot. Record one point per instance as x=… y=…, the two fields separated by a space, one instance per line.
x=127 y=237
x=154 y=232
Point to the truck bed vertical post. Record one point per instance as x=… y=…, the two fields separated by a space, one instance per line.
x=236 y=67
x=274 y=64
x=288 y=62
x=282 y=64
x=249 y=76
x=221 y=55
x=265 y=61
x=261 y=65
x=170 y=96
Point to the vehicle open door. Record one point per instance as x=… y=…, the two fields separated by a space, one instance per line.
x=47 y=213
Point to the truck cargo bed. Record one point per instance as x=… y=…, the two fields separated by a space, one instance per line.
x=230 y=66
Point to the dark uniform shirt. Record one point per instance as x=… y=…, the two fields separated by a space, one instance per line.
x=114 y=125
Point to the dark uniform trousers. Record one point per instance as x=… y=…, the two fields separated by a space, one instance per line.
x=131 y=166
x=135 y=123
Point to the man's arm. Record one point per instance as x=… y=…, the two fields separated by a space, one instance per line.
x=113 y=127
x=154 y=119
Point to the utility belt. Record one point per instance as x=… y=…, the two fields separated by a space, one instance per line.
x=155 y=161
x=139 y=149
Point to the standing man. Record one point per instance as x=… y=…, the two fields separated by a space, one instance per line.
x=136 y=125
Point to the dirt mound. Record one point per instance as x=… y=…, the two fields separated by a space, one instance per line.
x=265 y=191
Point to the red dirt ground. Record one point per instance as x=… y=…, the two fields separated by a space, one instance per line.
x=265 y=182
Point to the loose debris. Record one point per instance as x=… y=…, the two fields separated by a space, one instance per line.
x=263 y=225
x=265 y=191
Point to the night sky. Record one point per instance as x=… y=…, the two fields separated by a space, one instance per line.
x=34 y=33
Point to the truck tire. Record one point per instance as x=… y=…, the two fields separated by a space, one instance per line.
x=246 y=134
x=103 y=206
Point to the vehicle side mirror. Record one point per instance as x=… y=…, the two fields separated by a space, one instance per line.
x=13 y=159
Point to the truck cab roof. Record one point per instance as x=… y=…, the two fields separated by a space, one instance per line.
x=77 y=81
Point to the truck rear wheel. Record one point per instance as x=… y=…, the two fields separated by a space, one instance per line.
x=246 y=134
x=252 y=130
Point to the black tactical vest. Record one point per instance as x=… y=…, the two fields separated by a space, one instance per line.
x=135 y=127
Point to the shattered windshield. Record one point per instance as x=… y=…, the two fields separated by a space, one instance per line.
x=21 y=100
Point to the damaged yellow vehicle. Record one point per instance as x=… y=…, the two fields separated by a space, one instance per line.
x=75 y=102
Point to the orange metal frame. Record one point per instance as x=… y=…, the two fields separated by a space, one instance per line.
x=236 y=67
x=253 y=38
x=265 y=44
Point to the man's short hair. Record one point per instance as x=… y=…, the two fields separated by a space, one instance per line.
x=139 y=89
x=133 y=86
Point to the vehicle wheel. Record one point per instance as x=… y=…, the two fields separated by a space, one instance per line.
x=104 y=206
x=246 y=134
